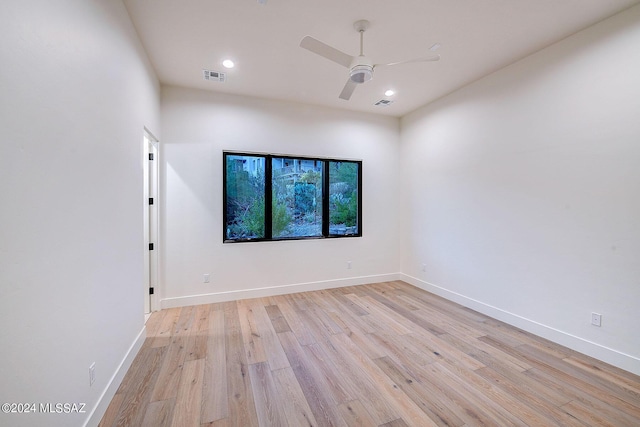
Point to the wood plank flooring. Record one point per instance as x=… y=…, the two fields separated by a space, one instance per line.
x=385 y=354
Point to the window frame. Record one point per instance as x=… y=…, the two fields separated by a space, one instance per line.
x=268 y=197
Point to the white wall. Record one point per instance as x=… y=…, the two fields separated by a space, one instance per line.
x=76 y=94
x=523 y=192
x=197 y=126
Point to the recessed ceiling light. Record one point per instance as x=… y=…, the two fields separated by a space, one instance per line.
x=389 y=92
x=227 y=63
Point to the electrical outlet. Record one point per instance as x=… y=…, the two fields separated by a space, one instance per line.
x=206 y=278
x=92 y=374
x=596 y=319
x=348 y=265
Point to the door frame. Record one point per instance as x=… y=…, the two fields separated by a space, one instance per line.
x=151 y=218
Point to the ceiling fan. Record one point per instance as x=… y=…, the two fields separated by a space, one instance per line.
x=360 y=67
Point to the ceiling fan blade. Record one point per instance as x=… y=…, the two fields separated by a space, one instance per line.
x=348 y=89
x=429 y=58
x=326 y=51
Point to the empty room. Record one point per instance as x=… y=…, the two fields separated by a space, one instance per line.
x=337 y=213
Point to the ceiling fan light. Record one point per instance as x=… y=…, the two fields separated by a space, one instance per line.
x=361 y=73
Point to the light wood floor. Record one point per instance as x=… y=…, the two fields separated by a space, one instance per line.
x=385 y=354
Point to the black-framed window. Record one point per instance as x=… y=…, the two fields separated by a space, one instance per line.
x=278 y=197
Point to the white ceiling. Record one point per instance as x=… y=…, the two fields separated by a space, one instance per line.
x=183 y=37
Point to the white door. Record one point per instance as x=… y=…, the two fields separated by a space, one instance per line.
x=151 y=218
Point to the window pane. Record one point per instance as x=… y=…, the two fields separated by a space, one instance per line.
x=245 y=197
x=297 y=197
x=343 y=198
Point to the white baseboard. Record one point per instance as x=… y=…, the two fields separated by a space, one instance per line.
x=608 y=355
x=274 y=290
x=600 y=352
x=110 y=390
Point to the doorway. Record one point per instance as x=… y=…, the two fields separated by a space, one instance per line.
x=151 y=220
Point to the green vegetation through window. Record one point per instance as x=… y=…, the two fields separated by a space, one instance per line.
x=280 y=197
